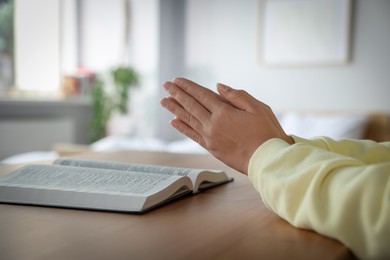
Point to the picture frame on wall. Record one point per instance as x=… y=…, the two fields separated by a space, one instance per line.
x=304 y=32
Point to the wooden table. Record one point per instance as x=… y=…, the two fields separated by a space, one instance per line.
x=226 y=222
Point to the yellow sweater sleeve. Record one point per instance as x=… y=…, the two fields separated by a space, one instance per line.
x=340 y=189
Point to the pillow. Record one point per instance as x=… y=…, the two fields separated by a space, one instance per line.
x=336 y=126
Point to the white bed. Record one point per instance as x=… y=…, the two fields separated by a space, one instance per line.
x=304 y=124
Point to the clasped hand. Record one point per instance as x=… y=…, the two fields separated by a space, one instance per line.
x=231 y=125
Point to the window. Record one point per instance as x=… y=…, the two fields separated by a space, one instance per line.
x=37 y=45
x=54 y=39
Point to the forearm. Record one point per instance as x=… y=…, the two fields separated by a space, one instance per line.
x=335 y=195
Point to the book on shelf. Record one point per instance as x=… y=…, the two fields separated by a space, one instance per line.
x=104 y=185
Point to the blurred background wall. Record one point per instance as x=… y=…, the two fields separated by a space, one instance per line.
x=221 y=45
x=208 y=41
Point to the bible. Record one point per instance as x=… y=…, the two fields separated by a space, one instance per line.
x=104 y=185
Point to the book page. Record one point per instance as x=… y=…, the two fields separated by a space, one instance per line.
x=128 y=167
x=193 y=174
x=89 y=180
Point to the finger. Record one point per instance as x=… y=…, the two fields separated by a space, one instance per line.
x=185 y=129
x=191 y=105
x=206 y=97
x=167 y=100
x=175 y=108
x=238 y=98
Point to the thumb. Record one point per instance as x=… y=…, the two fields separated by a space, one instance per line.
x=238 y=98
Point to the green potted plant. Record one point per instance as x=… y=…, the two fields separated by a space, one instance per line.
x=6 y=44
x=104 y=102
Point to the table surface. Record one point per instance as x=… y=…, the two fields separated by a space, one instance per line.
x=226 y=222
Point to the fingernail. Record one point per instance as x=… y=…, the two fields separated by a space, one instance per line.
x=167 y=86
x=223 y=87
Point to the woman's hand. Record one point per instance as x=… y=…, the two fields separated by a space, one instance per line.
x=231 y=125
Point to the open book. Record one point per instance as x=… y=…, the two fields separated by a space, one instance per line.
x=103 y=185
